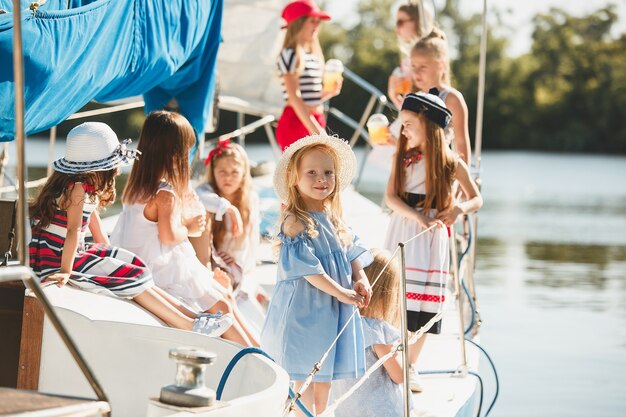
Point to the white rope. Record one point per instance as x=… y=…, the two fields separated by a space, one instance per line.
x=395 y=348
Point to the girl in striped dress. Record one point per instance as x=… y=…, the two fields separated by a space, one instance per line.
x=83 y=182
x=301 y=66
x=419 y=192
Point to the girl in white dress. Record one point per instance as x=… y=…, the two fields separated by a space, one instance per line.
x=153 y=224
x=232 y=238
x=419 y=192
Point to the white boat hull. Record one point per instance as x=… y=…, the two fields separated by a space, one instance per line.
x=130 y=359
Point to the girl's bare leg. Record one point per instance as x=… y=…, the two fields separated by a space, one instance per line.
x=157 y=305
x=235 y=333
x=308 y=399
x=221 y=276
x=321 y=392
x=174 y=302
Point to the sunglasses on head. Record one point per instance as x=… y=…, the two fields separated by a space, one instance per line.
x=401 y=22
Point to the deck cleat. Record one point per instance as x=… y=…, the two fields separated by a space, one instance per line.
x=189 y=389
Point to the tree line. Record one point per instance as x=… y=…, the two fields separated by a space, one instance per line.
x=568 y=93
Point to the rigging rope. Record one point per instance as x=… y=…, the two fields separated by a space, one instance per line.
x=396 y=347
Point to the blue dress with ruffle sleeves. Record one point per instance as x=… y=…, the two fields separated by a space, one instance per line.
x=302 y=321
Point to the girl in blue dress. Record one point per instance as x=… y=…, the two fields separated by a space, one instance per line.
x=320 y=276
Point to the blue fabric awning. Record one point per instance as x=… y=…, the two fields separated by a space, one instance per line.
x=111 y=49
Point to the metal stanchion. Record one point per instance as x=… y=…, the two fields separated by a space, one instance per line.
x=459 y=300
x=405 y=335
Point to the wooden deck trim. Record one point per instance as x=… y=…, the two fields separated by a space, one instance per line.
x=30 y=344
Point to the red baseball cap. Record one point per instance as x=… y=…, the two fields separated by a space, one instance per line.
x=299 y=8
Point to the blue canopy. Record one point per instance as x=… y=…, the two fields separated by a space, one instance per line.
x=110 y=49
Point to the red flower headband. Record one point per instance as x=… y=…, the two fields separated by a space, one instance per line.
x=219 y=148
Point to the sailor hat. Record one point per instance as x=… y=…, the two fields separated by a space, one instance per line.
x=428 y=103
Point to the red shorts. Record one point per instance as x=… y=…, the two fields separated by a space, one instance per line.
x=290 y=128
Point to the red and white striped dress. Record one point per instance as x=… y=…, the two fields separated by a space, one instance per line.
x=98 y=268
x=427 y=257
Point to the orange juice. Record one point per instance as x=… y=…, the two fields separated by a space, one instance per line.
x=404 y=87
x=378 y=134
x=330 y=80
x=333 y=71
x=378 y=128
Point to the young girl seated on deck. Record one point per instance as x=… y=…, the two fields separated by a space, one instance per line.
x=381 y=395
x=231 y=239
x=320 y=275
x=155 y=225
x=82 y=183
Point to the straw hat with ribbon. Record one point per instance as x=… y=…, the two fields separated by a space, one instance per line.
x=345 y=171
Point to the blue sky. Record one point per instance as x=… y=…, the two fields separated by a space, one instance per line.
x=518 y=18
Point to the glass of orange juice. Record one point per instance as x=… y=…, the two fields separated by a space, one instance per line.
x=378 y=128
x=404 y=85
x=333 y=71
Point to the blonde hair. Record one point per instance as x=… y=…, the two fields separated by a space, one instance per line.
x=440 y=166
x=242 y=197
x=164 y=143
x=435 y=45
x=292 y=41
x=332 y=204
x=385 y=301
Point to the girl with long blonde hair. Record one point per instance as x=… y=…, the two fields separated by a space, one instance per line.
x=419 y=192
x=430 y=64
x=301 y=66
x=232 y=237
x=382 y=391
x=320 y=275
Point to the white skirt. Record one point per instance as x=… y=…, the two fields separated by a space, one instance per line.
x=427 y=262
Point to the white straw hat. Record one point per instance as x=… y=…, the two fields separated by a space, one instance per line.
x=346 y=168
x=93 y=146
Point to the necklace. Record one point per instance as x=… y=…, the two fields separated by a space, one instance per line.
x=411 y=157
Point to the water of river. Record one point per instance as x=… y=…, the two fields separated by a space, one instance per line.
x=551 y=276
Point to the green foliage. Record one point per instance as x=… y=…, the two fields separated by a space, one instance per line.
x=567 y=94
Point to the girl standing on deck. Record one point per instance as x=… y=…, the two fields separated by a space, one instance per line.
x=419 y=192
x=153 y=223
x=301 y=66
x=320 y=275
x=82 y=183
x=410 y=28
x=431 y=69
x=382 y=391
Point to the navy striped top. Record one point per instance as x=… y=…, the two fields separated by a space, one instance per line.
x=310 y=78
